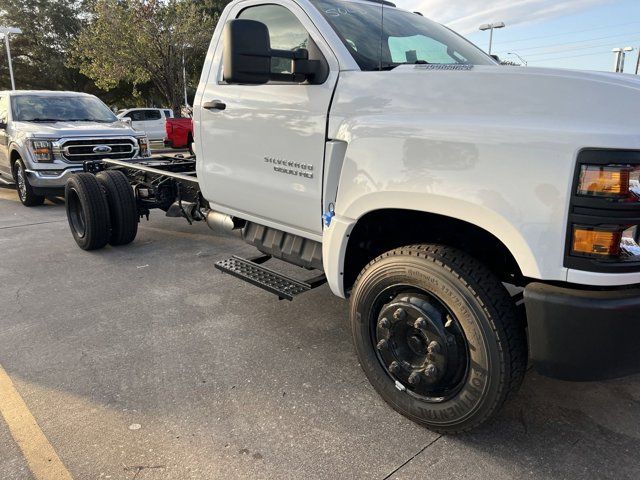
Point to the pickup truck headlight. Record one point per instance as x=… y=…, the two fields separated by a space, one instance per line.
x=604 y=213
x=143 y=144
x=614 y=182
x=42 y=151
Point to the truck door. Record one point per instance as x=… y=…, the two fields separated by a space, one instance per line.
x=263 y=153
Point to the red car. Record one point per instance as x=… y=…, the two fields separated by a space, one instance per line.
x=179 y=133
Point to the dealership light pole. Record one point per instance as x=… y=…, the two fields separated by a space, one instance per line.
x=619 y=56
x=491 y=27
x=8 y=31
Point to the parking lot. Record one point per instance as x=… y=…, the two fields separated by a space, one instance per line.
x=144 y=362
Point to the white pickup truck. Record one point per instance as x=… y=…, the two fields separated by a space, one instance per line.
x=476 y=216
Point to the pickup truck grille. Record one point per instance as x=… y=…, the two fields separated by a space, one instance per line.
x=83 y=150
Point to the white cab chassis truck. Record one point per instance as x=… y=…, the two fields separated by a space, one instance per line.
x=476 y=216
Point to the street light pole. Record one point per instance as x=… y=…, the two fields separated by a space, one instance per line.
x=491 y=27
x=7 y=31
x=619 y=57
x=184 y=80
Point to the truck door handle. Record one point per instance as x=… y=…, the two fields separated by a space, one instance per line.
x=214 y=105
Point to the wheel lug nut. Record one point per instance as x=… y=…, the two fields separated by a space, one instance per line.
x=399 y=314
x=384 y=324
x=394 y=367
x=434 y=347
x=382 y=344
x=414 y=378
x=421 y=324
x=431 y=371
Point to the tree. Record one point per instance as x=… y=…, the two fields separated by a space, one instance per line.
x=49 y=28
x=140 y=41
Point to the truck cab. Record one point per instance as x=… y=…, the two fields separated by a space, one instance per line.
x=151 y=121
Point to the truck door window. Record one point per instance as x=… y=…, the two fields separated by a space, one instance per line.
x=285 y=31
x=152 y=115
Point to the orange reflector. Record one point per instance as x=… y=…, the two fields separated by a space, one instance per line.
x=589 y=241
x=604 y=181
x=41 y=151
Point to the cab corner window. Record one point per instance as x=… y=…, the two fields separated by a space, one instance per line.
x=285 y=31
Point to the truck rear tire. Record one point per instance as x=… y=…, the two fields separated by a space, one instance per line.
x=437 y=336
x=87 y=211
x=122 y=207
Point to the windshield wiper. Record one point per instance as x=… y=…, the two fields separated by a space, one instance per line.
x=391 y=66
x=88 y=120
x=48 y=120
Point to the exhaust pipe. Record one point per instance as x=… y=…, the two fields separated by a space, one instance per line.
x=223 y=223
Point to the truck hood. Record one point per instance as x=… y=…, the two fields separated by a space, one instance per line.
x=530 y=98
x=75 y=129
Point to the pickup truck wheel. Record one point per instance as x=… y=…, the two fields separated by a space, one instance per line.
x=87 y=211
x=437 y=336
x=25 y=190
x=122 y=207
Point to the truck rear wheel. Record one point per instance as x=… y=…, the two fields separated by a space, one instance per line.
x=437 y=336
x=87 y=211
x=122 y=207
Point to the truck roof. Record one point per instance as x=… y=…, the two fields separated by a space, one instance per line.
x=47 y=93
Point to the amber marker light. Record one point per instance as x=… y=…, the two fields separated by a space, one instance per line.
x=591 y=241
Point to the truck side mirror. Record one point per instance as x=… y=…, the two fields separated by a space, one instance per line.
x=496 y=58
x=247 y=52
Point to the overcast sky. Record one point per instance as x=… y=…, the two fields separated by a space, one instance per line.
x=555 y=33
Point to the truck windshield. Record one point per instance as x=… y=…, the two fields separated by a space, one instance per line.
x=60 y=108
x=401 y=38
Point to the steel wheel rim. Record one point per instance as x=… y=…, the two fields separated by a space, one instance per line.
x=406 y=349
x=77 y=217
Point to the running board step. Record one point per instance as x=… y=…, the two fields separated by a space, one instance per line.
x=286 y=288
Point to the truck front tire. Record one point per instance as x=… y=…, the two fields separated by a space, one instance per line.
x=122 y=207
x=25 y=190
x=438 y=336
x=87 y=211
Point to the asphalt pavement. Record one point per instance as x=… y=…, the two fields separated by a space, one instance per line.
x=145 y=362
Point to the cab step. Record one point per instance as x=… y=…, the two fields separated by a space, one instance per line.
x=251 y=271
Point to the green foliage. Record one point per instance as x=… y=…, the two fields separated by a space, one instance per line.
x=144 y=41
x=49 y=27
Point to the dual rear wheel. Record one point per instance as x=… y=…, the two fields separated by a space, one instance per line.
x=101 y=209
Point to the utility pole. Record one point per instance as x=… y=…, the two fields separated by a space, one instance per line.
x=8 y=31
x=491 y=27
x=638 y=62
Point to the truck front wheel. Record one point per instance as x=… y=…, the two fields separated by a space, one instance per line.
x=437 y=335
